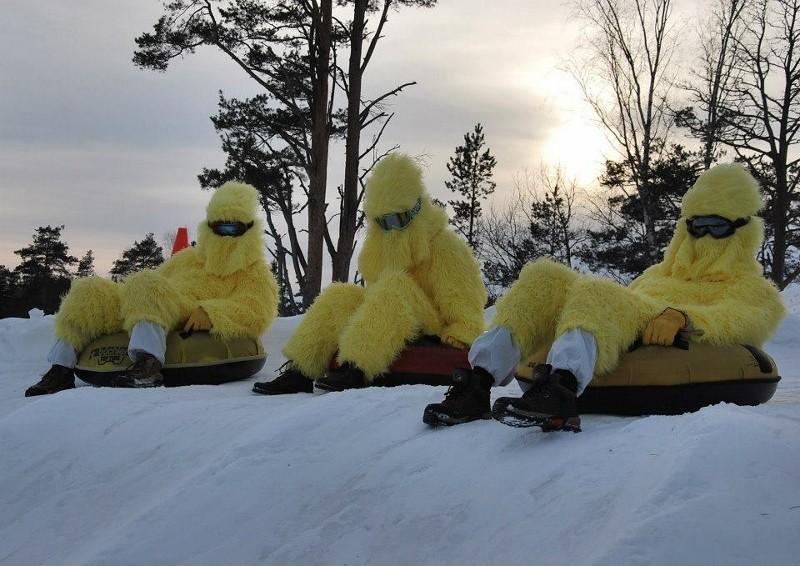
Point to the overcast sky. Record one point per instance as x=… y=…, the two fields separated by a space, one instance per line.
x=112 y=152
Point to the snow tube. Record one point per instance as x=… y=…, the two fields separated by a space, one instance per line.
x=425 y=361
x=653 y=380
x=196 y=359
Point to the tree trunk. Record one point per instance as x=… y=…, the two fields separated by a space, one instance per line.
x=318 y=180
x=645 y=193
x=349 y=204
x=779 y=224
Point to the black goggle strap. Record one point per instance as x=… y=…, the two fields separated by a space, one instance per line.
x=399 y=220
x=739 y=222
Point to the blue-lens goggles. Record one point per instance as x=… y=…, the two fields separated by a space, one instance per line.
x=226 y=228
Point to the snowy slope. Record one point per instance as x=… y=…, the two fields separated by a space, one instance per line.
x=216 y=475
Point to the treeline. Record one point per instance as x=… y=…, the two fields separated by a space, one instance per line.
x=46 y=270
x=739 y=100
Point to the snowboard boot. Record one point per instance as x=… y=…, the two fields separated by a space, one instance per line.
x=58 y=378
x=550 y=403
x=466 y=400
x=347 y=376
x=289 y=380
x=145 y=372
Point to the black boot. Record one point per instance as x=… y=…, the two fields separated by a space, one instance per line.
x=550 y=403
x=289 y=380
x=466 y=400
x=347 y=376
x=145 y=372
x=58 y=378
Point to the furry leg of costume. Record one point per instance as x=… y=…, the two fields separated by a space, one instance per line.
x=613 y=314
x=395 y=310
x=549 y=300
x=90 y=309
x=150 y=296
x=315 y=341
x=532 y=306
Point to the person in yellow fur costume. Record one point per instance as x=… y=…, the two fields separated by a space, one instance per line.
x=421 y=279
x=709 y=286
x=223 y=285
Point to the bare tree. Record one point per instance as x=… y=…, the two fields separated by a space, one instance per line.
x=761 y=120
x=624 y=76
x=717 y=72
x=361 y=114
x=541 y=220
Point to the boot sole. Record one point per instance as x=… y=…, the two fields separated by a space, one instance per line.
x=518 y=418
x=435 y=418
x=322 y=387
x=137 y=385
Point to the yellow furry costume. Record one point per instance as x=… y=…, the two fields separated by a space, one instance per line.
x=228 y=277
x=717 y=282
x=422 y=279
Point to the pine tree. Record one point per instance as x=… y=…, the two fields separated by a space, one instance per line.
x=86 y=265
x=287 y=305
x=146 y=254
x=472 y=169
x=44 y=270
x=8 y=288
x=46 y=257
x=618 y=245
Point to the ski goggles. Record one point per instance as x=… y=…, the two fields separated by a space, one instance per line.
x=226 y=228
x=399 y=220
x=717 y=226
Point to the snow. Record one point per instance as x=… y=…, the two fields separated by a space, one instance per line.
x=216 y=475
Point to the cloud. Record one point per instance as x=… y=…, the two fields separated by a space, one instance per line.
x=107 y=197
x=111 y=151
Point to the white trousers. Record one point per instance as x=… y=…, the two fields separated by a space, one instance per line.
x=146 y=338
x=496 y=352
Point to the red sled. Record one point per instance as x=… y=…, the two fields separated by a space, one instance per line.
x=425 y=361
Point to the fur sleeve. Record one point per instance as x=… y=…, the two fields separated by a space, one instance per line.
x=249 y=310
x=458 y=291
x=749 y=314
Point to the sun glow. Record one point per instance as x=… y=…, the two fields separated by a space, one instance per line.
x=576 y=142
x=579 y=147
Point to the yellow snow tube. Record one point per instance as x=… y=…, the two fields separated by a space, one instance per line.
x=654 y=380
x=197 y=359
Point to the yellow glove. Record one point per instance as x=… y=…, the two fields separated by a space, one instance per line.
x=450 y=341
x=198 y=320
x=663 y=329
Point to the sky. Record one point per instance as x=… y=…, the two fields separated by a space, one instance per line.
x=112 y=152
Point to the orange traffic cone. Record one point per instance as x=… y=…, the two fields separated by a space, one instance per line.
x=181 y=240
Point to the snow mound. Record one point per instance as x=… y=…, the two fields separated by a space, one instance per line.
x=216 y=475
